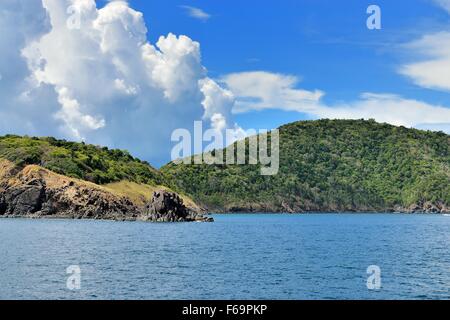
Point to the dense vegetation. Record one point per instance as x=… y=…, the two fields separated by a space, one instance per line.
x=78 y=160
x=324 y=165
x=330 y=165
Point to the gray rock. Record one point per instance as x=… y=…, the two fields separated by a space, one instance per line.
x=169 y=207
x=24 y=199
x=33 y=198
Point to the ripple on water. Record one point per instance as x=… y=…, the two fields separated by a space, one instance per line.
x=238 y=257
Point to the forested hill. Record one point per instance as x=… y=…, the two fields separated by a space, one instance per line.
x=332 y=165
x=95 y=164
x=325 y=165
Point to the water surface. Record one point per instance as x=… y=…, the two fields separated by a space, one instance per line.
x=320 y=256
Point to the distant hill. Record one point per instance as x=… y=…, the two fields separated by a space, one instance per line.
x=331 y=165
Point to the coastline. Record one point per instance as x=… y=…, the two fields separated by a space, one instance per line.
x=397 y=210
x=139 y=219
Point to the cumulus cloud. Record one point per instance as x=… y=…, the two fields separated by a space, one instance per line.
x=24 y=105
x=73 y=70
x=71 y=115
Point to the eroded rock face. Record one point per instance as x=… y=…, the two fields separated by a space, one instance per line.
x=68 y=201
x=36 y=192
x=428 y=207
x=26 y=199
x=169 y=207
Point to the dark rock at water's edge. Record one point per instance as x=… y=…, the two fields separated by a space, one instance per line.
x=36 y=200
x=3 y=204
x=425 y=207
x=34 y=192
x=169 y=207
x=24 y=199
x=422 y=207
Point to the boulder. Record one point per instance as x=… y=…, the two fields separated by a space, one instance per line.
x=24 y=199
x=167 y=206
x=430 y=208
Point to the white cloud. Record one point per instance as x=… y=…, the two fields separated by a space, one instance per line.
x=216 y=98
x=196 y=13
x=24 y=105
x=103 y=82
x=433 y=70
x=73 y=118
x=388 y=108
x=122 y=86
x=262 y=90
x=178 y=67
x=432 y=55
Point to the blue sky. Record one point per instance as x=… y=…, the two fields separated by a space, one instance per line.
x=325 y=43
x=129 y=74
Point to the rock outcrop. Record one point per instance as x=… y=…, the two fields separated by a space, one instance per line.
x=36 y=192
x=425 y=207
x=26 y=199
x=169 y=207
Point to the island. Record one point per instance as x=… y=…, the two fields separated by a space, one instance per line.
x=325 y=166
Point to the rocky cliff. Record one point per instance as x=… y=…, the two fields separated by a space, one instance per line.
x=34 y=192
x=169 y=207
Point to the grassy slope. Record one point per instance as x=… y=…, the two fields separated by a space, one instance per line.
x=12 y=175
x=114 y=171
x=330 y=165
x=141 y=193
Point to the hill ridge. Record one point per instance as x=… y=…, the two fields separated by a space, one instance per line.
x=332 y=165
x=325 y=165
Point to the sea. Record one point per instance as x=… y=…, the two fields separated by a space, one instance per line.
x=239 y=256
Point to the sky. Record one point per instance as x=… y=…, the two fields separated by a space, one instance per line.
x=127 y=74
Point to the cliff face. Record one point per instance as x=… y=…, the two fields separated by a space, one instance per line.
x=169 y=207
x=35 y=192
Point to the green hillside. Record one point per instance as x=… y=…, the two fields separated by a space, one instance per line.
x=325 y=165
x=331 y=165
x=78 y=160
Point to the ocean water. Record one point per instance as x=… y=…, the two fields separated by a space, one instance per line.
x=320 y=256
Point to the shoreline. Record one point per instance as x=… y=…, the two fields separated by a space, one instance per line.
x=131 y=219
